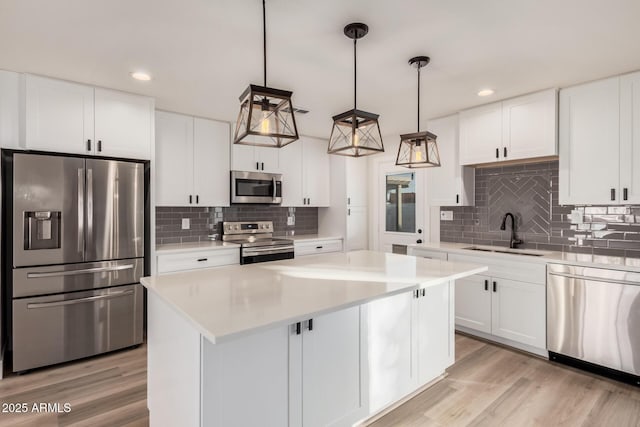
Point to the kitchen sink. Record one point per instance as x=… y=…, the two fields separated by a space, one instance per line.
x=504 y=251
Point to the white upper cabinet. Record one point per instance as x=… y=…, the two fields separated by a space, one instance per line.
x=58 y=116
x=123 y=124
x=481 y=134
x=211 y=162
x=9 y=109
x=518 y=128
x=630 y=139
x=192 y=161
x=450 y=184
x=315 y=172
x=590 y=143
x=291 y=159
x=74 y=118
x=529 y=125
x=255 y=158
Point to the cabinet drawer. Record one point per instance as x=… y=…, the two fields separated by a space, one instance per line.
x=531 y=272
x=195 y=260
x=317 y=247
x=426 y=253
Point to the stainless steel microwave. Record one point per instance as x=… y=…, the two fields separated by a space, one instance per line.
x=256 y=187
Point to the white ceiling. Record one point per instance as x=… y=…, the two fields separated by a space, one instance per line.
x=203 y=53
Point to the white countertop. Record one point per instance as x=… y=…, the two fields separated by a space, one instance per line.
x=193 y=247
x=227 y=302
x=586 y=260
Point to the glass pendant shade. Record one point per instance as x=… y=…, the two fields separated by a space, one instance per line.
x=266 y=118
x=355 y=133
x=418 y=150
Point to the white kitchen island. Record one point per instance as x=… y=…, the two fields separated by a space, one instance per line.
x=321 y=340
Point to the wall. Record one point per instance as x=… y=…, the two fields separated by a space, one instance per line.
x=530 y=192
x=204 y=221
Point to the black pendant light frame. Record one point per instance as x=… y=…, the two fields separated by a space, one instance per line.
x=270 y=101
x=355 y=120
x=423 y=143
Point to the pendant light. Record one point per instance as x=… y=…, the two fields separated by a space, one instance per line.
x=419 y=149
x=355 y=133
x=266 y=114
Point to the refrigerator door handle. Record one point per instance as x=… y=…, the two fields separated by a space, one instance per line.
x=89 y=238
x=81 y=211
x=37 y=275
x=78 y=300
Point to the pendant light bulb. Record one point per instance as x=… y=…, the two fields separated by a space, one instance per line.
x=355 y=139
x=419 y=149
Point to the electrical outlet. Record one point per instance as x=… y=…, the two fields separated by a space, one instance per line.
x=291 y=220
x=186 y=224
x=446 y=215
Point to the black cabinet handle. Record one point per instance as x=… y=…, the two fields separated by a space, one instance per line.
x=348 y=212
x=203 y=259
x=99 y=145
x=419 y=241
x=88 y=145
x=625 y=194
x=416 y=293
x=457 y=199
x=348 y=200
x=497 y=153
x=505 y=151
x=298 y=328
x=319 y=247
x=613 y=194
x=311 y=324
x=308 y=200
x=262 y=166
x=190 y=199
x=424 y=292
x=257 y=166
x=486 y=285
x=495 y=287
x=197 y=198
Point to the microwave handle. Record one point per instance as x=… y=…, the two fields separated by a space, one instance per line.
x=273 y=179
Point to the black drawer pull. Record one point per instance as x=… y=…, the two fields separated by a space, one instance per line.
x=505 y=151
x=625 y=194
x=457 y=199
x=319 y=247
x=203 y=259
x=197 y=199
x=486 y=285
x=311 y=324
x=495 y=289
x=497 y=153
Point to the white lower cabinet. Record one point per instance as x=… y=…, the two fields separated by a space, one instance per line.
x=193 y=260
x=410 y=341
x=509 y=303
x=314 y=247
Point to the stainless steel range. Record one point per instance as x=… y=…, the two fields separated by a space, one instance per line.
x=256 y=240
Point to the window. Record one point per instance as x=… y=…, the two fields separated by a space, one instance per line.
x=401 y=203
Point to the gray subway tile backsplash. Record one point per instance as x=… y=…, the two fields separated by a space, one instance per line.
x=530 y=192
x=205 y=221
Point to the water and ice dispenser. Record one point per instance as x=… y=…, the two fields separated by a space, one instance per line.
x=42 y=230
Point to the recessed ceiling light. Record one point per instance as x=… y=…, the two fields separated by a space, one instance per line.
x=140 y=75
x=485 y=92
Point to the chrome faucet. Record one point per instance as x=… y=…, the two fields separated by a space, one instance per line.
x=513 y=243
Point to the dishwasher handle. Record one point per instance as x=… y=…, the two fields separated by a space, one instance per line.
x=594 y=279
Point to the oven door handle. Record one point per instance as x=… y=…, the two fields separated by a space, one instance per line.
x=79 y=300
x=76 y=272
x=267 y=251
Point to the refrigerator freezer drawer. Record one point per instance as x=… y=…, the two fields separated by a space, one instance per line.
x=33 y=281
x=59 y=328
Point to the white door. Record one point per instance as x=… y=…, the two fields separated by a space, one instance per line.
x=401 y=200
x=473 y=302
x=59 y=116
x=630 y=139
x=174 y=159
x=481 y=134
x=292 y=174
x=519 y=312
x=315 y=171
x=332 y=386
x=391 y=374
x=211 y=163
x=356 y=172
x=590 y=143
x=269 y=158
x=123 y=124
x=529 y=126
x=434 y=332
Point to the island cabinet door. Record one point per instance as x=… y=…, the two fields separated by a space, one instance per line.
x=245 y=382
x=435 y=332
x=327 y=382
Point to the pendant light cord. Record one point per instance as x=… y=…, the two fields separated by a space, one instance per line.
x=418 y=98
x=355 y=74
x=264 y=40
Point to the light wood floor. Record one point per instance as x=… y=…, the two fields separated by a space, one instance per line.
x=488 y=386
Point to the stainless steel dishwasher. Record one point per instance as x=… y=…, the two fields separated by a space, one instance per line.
x=593 y=319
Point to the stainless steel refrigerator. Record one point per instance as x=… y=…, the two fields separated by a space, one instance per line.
x=77 y=257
